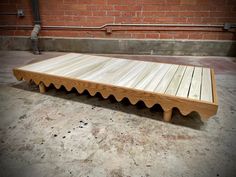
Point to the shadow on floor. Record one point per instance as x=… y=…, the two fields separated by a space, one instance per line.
x=191 y=121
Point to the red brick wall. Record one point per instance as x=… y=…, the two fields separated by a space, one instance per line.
x=99 y=12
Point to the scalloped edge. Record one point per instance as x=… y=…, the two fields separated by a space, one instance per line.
x=167 y=102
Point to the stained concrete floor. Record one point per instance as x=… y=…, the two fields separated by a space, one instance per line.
x=64 y=133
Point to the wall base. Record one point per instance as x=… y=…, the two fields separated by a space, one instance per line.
x=123 y=46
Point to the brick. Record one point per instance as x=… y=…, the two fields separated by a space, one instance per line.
x=209 y=20
x=172 y=14
x=97 y=7
x=150 y=20
x=222 y=14
x=202 y=14
x=128 y=14
x=54 y=23
x=73 y=7
x=196 y=8
x=195 y=35
x=127 y=8
x=128 y=20
x=122 y=2
x=7 y=33
x=192 y=2
x=78 y=13
x=209 y=36
x=180 y=35
x=138 y=35
x=113 y=13
x=99 y=13
x=226 y=20
x=153 y=2
x=22 y=33
x=173 y=2
x=100 y=2
x=194 y=20
x=153 y=35
x=187 y=14
x=156 y=8
x=52 y=12
x=119 y=34
x=227 y=36
x=173 y=35
x=166 y=35
x=154 y=14
x=70 y=1
x=103 y=2
x=171 y=20
x=101 y=20
x=111 y=2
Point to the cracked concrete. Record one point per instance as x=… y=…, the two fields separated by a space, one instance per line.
x=62 y=133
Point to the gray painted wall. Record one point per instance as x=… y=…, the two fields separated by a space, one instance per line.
x=123 y=46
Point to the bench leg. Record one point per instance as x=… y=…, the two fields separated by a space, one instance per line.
x=42 y=88
x=167 y=115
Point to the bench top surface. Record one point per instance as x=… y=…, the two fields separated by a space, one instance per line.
x=170 y=79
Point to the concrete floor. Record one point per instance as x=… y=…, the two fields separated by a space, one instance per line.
x=64 y=133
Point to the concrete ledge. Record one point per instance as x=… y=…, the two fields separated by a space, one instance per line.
x=123 y=46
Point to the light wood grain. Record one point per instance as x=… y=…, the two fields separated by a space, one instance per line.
x=206 y=90
x=111 y=76
x=67 y=66
x=184 y=87
x=214 y=92
x=195 y=89
x=162 y=86
x=51 y=63
x=174 y=84
x=128 y=78
x=116 y=76
x=145 y=81
x=158 y=77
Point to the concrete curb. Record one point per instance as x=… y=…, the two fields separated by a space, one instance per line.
x=123 y=46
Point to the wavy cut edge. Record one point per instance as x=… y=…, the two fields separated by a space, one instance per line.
x=167 y=102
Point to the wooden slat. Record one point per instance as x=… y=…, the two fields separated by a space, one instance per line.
x=214 y=92
x=206 y=90
x=141 y=75
x=185 y=84
x=67 y=65
x=158 y=77
x=148 y=77
x=50 y=62
x=109 y=72
x=101 y=71
x=195 y=89
x=130 y=75
x=112 y=77
x=84 y=67
x=53 y=66
x=162 y=86
x=175 y=82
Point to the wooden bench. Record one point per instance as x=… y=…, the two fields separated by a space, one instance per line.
x=187 y=88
